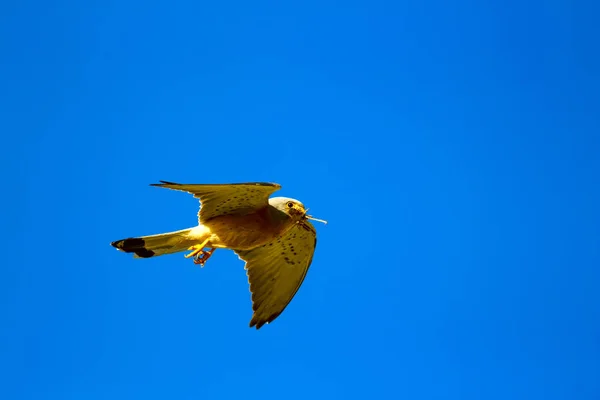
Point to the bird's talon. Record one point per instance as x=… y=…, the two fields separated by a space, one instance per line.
x=202 y=257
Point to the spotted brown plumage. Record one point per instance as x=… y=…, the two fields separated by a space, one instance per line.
x=272 y=235
x=226 y=199
x=277 y=269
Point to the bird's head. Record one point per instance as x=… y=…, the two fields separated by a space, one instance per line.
x=293 y=208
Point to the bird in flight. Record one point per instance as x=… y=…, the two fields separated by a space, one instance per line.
x=272 y=235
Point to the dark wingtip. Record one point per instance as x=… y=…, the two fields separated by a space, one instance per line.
x=259 y=324
x=254 y=324
x=162 y=183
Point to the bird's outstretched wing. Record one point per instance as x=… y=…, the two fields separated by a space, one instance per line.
x=226 y=199
x=276 y=271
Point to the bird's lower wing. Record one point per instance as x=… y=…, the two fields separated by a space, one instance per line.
x=276 y=271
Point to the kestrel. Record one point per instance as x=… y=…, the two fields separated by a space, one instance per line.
x=272 y=235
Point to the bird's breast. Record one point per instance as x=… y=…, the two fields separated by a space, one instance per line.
x=243 y=232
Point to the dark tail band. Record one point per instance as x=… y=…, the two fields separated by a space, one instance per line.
x=133 y=245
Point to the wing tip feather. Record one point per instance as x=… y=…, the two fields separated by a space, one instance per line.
x=164 y=183
x=258 y=323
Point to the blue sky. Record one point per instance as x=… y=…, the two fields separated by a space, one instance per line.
x=453 y=147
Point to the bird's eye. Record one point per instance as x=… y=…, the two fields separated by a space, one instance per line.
x=290 y=204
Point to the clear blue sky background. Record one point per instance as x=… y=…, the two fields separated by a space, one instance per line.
x=453 y=146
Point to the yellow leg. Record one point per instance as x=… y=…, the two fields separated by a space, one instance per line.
x=196 y=249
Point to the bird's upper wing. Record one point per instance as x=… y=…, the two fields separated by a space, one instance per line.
x=226 y=199
x=277 y=269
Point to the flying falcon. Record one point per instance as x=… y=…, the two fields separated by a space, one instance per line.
x=272 y=235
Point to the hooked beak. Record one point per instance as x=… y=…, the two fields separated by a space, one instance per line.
x=313 y=218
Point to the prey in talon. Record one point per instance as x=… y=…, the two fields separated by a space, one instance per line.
x=202 y=257
x=272 y=235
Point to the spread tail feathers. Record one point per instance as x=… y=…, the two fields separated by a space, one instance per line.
x=155 y=245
